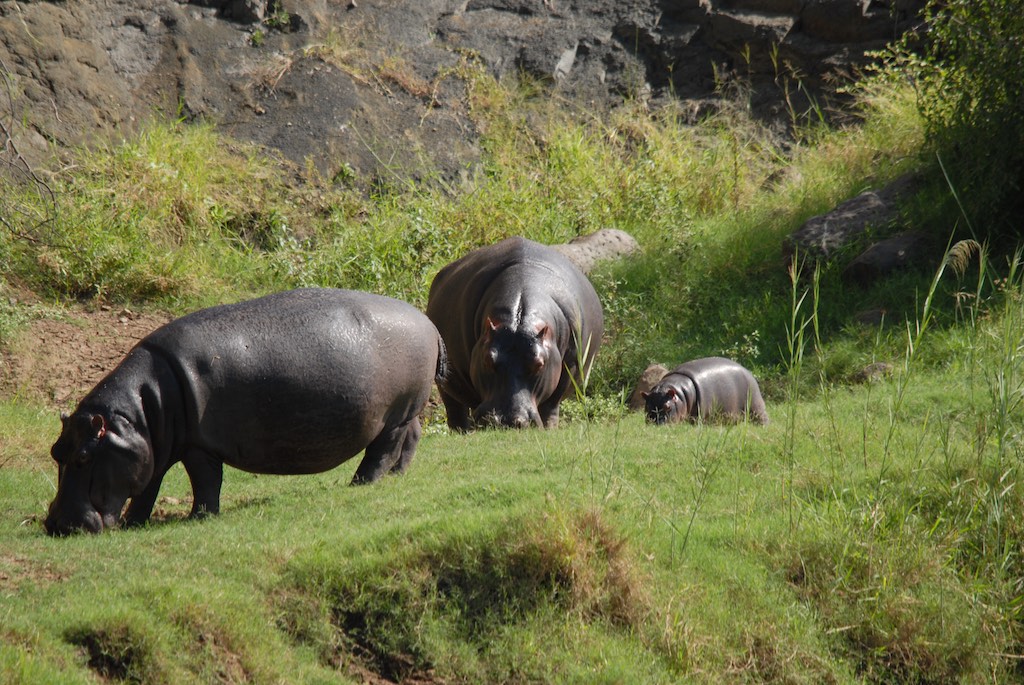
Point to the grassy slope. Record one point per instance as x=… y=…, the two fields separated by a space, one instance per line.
x=602 y=552
x=868 y=533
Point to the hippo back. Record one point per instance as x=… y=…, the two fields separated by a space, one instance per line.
x=333 y=365
x=723 y=386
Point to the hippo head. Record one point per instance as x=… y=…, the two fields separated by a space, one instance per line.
x=514 y=370
x=666 y=404
x=101 y=462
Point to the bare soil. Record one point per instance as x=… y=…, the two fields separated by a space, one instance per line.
x=56 y=362
x=16 y=570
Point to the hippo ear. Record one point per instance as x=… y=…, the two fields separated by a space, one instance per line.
x=490 y=325
x=98 y=425
x=644 y=394
x=672 y=394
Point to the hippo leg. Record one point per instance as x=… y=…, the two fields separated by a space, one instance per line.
x=206 y=475
x=758 y=410
x=549 y=414
x=458 y=414
x=382 y=454
x=412 y=438
x=548 y=409
x=142 y=504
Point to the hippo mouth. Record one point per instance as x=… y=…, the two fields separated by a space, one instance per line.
x=491 y=417
x=89 y=521
x=66 y=518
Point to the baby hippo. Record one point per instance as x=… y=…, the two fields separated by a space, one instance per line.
x=706 y=389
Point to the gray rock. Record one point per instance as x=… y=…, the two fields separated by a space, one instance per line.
x=758 y=30
x=900 y=251
x=586 y=251
x=873 y=373
x=648 y=379
x=241 y=11
x=842 y=21
x=822 y=235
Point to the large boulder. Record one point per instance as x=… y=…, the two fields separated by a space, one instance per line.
x=904 y=250
x=604 y=244
x=848 y=223
x=648 y=379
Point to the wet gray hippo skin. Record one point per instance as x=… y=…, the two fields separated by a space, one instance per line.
x=706 y=389
x=292 y=383
x=517 y=318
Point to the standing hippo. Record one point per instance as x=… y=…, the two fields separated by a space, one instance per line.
x=519 y=321
x=704 y=389
x=296 y=382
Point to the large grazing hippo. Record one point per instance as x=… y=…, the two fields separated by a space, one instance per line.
x=296 y=382
x=706 y=389
x=519 y=321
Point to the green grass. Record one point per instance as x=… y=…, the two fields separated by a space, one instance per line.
x=600 y=552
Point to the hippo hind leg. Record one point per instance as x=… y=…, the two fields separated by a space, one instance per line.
x=412 y=439
x=392 y=450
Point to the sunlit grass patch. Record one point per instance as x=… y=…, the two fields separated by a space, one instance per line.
x=442 y=601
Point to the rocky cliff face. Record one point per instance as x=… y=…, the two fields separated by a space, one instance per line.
x=368 y=85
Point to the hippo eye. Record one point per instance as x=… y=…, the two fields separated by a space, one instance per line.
x=82 y=456
x=491 y=358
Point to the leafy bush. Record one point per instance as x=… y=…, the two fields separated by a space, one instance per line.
x=968 y=71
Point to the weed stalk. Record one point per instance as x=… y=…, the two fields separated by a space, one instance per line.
x=795 y=346
x=914 y=338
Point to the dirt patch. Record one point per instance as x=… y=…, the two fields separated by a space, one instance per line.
x=16 y=571
x=55 y=362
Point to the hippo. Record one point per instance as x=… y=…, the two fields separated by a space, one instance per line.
x=292 y=383
x=706 y=389
x=522 y=324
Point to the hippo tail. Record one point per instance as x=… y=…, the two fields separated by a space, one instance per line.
x=441 y=373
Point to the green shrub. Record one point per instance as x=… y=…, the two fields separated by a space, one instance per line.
x=968 y=71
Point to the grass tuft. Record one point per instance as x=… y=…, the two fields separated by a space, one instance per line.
x=117 y=651
x=431 y=605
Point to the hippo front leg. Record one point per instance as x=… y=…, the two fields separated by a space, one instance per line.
x=206 y=475
x=141 y=506
x=548 y=409
x=459 y=417
x=549 y=416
